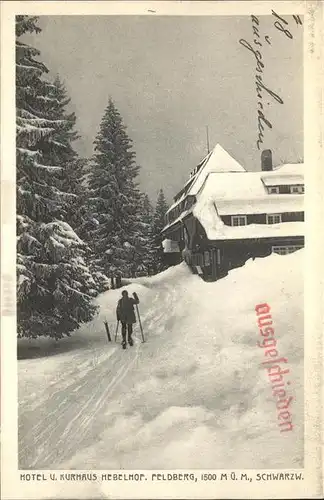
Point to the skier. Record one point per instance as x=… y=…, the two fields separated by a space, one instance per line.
x=126 y=315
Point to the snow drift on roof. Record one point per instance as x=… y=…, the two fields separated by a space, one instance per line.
x=282 y=180
x=205 y=211
x=218 y=162
x=271 y=204
x=244 y=193
x=178 y=219
x=179 y=200
x=237 y=191
x=288 y=174
x=288 y=169
x=200 y=165
x=221 y=161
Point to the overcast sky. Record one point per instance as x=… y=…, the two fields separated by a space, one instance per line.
x=170 y=77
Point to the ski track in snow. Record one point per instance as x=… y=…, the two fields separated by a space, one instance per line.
x=67 y=420
x=192 y=396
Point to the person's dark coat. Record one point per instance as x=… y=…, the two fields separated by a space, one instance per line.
x=125 y=310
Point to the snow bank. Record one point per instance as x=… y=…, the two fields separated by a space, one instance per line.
x=198 y=395
x=170 y=246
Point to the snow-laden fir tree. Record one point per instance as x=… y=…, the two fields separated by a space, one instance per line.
x=73 y=176
x=115 y=201
x=53 y=280
x=158 y=224
x=147 y=210
x=72 y=180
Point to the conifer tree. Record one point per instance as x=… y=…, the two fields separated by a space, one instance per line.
x=60 y=148
x=72 y=180
x=147 y=220
x=53 y=281
x=115 y=201
x=158 y=224
x=75 y=168
x=147 y=210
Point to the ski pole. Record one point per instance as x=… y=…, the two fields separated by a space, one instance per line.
x=107 y=330
x=116 y=331
x=140 y=323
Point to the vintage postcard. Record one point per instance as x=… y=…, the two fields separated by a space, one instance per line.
x=161 y=264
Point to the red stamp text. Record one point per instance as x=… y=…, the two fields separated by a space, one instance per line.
x=276 y=367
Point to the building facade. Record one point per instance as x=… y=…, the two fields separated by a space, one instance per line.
x=225 y=215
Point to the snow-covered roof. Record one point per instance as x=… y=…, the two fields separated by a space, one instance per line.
x=288 y=174
x=287 y=169
x=244 y=193
x=223 y=183
x=194 y=173
x=205 y=212
x=179 y=200
x=270 y=204
x=178 y=219
x=219 y=161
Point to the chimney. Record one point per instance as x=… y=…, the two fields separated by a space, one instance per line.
x=266 y=160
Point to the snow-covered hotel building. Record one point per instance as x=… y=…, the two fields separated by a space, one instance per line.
x=225 y=215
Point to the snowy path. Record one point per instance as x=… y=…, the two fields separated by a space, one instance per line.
x=55 y=425
x=193 y=396
x=65 y=419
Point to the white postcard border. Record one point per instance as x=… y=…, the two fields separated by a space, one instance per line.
x=311 y=486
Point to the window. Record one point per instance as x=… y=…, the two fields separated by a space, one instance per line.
x=189 y=201
x=207 y=258
x=298 y=189
x=218 y=256
x=197 y=259
x=273 y=218
x=285 y=250
x=238 y=220
x=273 y=189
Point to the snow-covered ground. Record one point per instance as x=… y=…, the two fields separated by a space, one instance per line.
x=194 y=395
